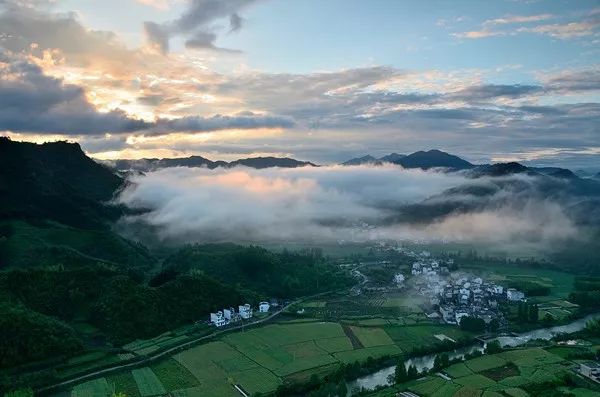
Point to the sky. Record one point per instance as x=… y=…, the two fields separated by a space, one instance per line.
x=323 y=81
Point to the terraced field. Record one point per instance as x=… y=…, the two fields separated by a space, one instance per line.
x=258 y=361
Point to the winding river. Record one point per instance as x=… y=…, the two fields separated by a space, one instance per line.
x=380 y=378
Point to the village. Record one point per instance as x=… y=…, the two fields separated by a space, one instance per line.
x=456 y=295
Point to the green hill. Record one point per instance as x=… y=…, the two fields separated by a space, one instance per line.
x=55 y=181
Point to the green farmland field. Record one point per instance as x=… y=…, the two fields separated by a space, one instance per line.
x=370 y=337
x=257 y=380
x=123 y=382
x=173 y=375
x=509 y=374
x=148 y=383
x=93 y=388
x=334 y=345
x=407 y=337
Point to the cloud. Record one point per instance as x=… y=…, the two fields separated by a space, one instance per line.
x=243 y=120
x=572 y=81
x=565 y=31
x=510 y=19
x=158 y=4
x=492 y=91
x=197 y=24
x=31 y=101
x=25 y=23
x=336 y=203
x=583 y=26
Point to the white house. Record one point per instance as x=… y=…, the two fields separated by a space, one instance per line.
x=448 y=314
x=497 y=289
x=399 y=279
x=245 y=311
x=263 y=307
x=218 y=319
x=230 y=315
x=514 y=295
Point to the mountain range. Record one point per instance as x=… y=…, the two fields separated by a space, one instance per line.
x=418 y=160
x=152 y=164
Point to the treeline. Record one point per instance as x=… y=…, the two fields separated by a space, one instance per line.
x=530 y=288
x=586 y=292
x=334 y=384
x=122 y=307
x=125 y=307
x=29 y=336
x=287 y=274
x=528 y=313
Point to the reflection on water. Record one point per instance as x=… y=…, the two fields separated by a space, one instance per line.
x=380 y=378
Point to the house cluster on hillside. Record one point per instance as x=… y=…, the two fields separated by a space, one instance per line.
x=228 y=316
x=459 y=295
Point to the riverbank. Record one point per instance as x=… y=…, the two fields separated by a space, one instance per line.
x=425 y=362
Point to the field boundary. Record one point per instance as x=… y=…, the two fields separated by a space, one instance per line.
x=165 y=353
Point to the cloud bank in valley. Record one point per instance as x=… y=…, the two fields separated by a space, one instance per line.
x=337 y=203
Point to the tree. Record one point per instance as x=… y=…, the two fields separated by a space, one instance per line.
x=494 y=325
x=522 y=313
x=493 y=347
x=472 y=324
x=548 y=319
x=441 y=361
x=342 y=389
x=20 y=393
x=533 y=313
x=400 y=374
x=412 y=372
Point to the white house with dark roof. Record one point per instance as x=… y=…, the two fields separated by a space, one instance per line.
x=218 y=319
x=263 y=307
x=245 y=311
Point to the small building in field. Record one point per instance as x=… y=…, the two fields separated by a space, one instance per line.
x=263 y=307
x=218 y=319
x=245 y=311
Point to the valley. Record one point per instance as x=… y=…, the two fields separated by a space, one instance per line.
x=99 y=313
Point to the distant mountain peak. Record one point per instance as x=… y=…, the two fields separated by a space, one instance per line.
x=368 y=159
x=268 y=162
x=392 y=157
x=434 y=158
x=499 y=169
x=194 y=161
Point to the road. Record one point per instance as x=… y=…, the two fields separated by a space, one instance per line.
x=169 y=351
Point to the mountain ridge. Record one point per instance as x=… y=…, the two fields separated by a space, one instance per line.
x=153 y=164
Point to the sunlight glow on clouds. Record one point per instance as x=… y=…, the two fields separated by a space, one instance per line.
x=199 y=100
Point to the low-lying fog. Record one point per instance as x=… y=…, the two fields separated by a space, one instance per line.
x=333 y=203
